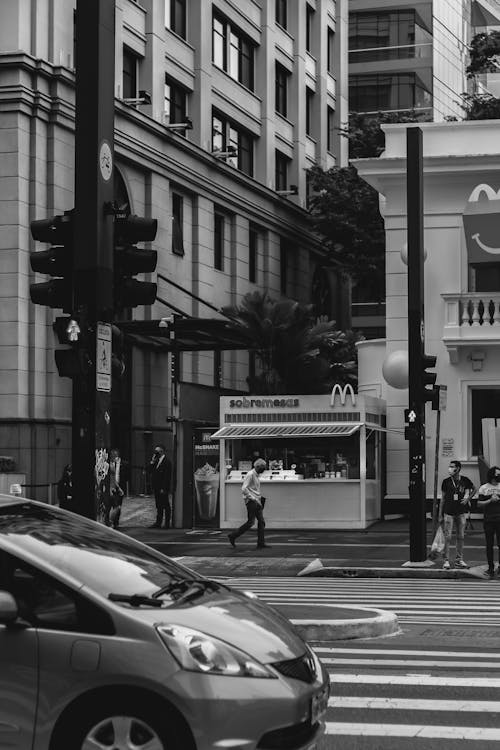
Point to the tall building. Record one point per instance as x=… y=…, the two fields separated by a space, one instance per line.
x=406 y=55
x=264 y=84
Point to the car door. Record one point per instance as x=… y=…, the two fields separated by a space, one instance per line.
x=69 y=629
x=18 y=679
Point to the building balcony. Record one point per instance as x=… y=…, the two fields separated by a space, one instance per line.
x=471 y=318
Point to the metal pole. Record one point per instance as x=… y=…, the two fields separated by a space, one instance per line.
x=93 y=280
x=435 y=501
x=415 y=213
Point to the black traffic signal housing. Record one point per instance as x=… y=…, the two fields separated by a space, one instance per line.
x=74 y=361
x=118 y=363
x=431 y=393
x=413 y=424
x=129 y=260
x=56 y=262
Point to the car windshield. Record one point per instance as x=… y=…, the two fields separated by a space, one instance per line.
x=87 y=551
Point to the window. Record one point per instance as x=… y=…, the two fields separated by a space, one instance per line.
x=129 y=80
x=219 y=242
x=175 y=102
x=309 y=26
x=283 y=266
x=233 y=52
x=226 y=134
x=281 y=13
x=388 y=35
x=330 y=51
x=281 y=89
x=281 y=171
x=177 y=224
x=253 y=245
x=309 y=110
x=330 y=129
x=485 y=403
x=48 y=604
x=175 y=16
x=382 y=93
x=485 y=277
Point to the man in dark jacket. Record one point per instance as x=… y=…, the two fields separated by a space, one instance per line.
x=161 y=474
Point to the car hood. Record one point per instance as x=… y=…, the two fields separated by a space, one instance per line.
x=248 y=624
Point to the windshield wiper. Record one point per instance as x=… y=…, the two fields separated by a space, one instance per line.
x=136 y=600
x=188 y=584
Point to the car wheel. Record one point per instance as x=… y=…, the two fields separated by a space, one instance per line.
x=121 y=725
x=123 y=731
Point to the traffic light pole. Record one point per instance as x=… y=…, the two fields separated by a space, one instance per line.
x=93 y=262
x=416 y=443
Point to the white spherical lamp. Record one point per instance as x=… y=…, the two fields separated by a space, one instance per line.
x=395 y=369
x=404 y=253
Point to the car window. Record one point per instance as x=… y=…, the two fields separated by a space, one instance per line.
x=46 y=603
x=99 y=558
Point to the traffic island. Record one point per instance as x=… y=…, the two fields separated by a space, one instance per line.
x=336 y=623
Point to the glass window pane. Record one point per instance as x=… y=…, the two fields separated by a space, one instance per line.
x=234 y=46
x=218 y=139
x=218 y=43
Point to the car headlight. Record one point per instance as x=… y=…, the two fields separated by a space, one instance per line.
x=198 y=652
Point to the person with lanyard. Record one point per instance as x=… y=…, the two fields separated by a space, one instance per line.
x=456 y=492
x=489 y=501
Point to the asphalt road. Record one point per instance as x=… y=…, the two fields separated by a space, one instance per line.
x=435 y=685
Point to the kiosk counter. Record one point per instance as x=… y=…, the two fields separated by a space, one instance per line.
x=323 y=455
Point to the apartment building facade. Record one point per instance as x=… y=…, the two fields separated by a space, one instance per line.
x=264 y=86
x=409 y=56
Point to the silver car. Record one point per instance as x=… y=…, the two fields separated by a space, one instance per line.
x=107 y=644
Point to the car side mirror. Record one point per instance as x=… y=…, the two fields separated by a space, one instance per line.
x=9 y=610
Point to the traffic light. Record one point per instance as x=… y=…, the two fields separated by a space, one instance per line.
x=118 y=364
x=75 y=360
x=56 y=262
x=429 y=379
x=130 y=260
x=413 y=424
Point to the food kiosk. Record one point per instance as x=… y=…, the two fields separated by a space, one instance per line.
x=323 y=455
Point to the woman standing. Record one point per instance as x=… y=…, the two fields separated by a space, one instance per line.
x=489 y=501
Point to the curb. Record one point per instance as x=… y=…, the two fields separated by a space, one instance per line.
x=245 y=567
x=397 y=573
x=382 y=623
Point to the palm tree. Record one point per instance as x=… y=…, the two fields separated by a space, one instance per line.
x=295 y=353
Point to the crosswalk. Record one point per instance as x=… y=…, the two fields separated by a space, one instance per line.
x=415 y=601
x=408 y=694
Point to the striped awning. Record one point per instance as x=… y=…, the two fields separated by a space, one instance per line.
x=236 y=432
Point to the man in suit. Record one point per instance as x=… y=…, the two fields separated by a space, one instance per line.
x=161 y=474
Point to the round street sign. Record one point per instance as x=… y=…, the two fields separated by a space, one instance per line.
x=105 y=161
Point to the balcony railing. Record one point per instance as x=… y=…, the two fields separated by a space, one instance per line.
x=471 y=318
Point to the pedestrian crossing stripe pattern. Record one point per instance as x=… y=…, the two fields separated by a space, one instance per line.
x=396 y=716
x=419 y=602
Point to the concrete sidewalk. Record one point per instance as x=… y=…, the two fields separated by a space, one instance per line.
x=380 y=551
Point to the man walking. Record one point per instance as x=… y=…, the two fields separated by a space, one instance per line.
x=456 y=492
x=254 y=502
x=161 y=473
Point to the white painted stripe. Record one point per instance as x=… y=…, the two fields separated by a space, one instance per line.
x=413 y=730
x=415 y=679
x=409 y=704
x=406 y=652
x=414 y=663
x=472 y=610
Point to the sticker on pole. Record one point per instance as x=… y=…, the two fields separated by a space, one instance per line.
x=103 y=357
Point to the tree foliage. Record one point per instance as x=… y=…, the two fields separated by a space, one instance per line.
x=295 y=353
x=345 y=209
x=484 y=53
